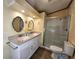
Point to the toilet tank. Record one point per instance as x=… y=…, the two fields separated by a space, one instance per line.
x=68 y=48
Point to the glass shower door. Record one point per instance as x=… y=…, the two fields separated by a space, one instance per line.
x=56 y=31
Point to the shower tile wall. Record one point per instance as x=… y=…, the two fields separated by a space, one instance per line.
x=56 y=32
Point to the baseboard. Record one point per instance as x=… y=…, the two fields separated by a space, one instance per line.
x=46 y=48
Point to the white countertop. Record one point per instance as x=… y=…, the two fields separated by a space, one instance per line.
x=20 y=40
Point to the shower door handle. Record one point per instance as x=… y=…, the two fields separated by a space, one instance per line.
x=66 y=30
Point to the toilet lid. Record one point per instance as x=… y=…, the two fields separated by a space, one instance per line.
x=56 y=49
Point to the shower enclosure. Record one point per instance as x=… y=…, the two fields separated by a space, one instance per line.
x=56 y=31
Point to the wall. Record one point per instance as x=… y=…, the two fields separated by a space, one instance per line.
x=59 y=13
x=71 y=12
x=39 y=25
x=8 y=18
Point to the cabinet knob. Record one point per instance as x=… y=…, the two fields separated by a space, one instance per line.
x=31 y=47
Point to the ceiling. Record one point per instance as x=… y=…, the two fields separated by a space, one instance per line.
x=23 y=7
x=49 y=6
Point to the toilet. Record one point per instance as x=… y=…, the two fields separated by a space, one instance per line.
x=56 y=51
x=59 y=53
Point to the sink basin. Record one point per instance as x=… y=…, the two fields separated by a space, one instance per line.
x=22 y=39
x=35 y=34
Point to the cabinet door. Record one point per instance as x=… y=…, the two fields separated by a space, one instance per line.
x=34 y=46
x=25 y=52
x=37 y=41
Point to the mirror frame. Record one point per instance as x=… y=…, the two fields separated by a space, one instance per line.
x=20 y=24
x=31 y=23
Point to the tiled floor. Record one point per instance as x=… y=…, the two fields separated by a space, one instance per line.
x=42 y=53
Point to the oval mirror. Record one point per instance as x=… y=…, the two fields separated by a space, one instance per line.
x=17 y=24
x=30 y=25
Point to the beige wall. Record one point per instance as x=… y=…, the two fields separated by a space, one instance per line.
x=39 y=25
x=8 y=15
x=59 y=13
x=71 y=12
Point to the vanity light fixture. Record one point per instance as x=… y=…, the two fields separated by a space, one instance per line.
x=33 y=16
x=52 y=17
x=30 y=18
x=22 y=11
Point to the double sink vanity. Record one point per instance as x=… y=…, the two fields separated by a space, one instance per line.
x=24 y=45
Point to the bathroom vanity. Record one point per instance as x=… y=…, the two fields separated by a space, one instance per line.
x=24 y=47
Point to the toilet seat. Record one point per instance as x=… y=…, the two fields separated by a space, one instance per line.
x=56 y=49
